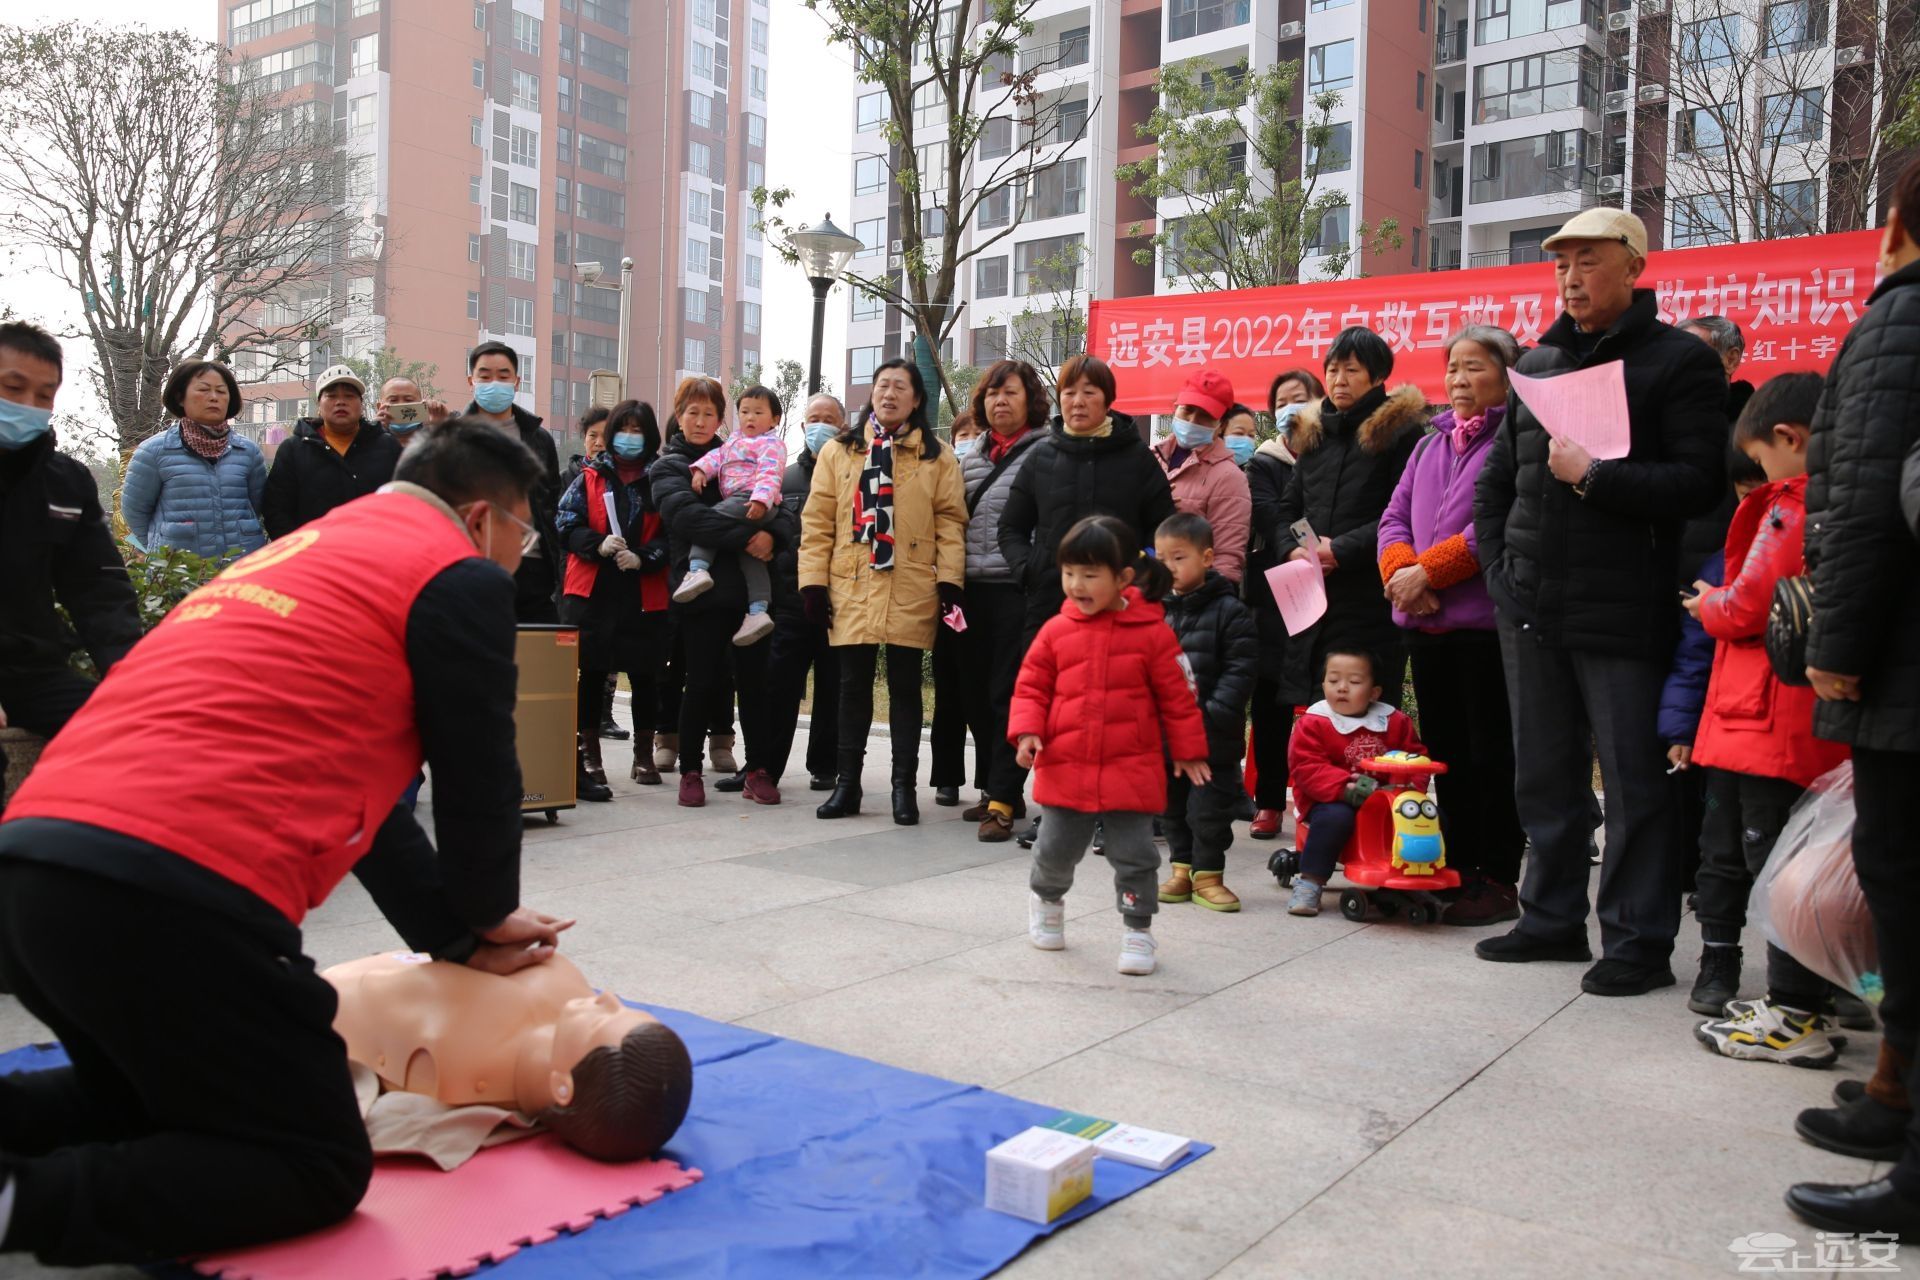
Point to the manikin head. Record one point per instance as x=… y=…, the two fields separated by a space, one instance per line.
x=620 y=1080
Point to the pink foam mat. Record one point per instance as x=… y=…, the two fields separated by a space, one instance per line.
x=417 y=1222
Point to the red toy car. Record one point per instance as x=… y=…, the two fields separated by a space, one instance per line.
x=1396 y=859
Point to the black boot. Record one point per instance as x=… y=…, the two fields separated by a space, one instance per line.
x=586 y=785
x=1861 y=1128
x=845 y=800
x=609 y=728
x=906 y=803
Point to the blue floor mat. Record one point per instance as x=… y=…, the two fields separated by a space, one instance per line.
x=816 y=1164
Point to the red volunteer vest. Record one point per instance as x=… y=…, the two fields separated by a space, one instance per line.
x=265 y=729
x=581 y=571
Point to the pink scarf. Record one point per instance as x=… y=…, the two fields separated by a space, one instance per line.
x=1463 y=433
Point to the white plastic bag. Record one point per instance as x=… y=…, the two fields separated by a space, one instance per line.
x=1807 y=898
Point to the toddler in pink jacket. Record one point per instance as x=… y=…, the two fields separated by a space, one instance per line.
x=748 y=467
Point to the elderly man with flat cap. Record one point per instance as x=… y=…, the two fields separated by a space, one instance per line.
x=1580 y=556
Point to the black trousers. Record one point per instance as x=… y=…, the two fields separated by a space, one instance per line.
x=1883 y=857
x=534 y=591
x=858 y=662
x=1272 y=732
x=1199 y=820
x=715 y=668
x=671 y=686
x=1747 y=816
x=1565 y=703
x=208 y=1105
x=640 y=655
x=1461 y=687
x=991 y=650
x=797 y=647
x=949 y=729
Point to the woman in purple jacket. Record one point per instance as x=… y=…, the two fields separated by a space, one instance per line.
x=1430 y=564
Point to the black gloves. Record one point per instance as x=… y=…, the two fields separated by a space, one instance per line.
x=819 y=607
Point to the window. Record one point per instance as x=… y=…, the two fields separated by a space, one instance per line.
x=526 y=90
x=1712 y=43
x=757 y=83
x=871 y=233
x=1060 y=190
x=703 y=14
x=869 y=111
x=475 y=125
x=479 y=17
x=600 y=156
x=1419 y=168
x=366 y=54
x=756 y=175
x=693 y=305
x=703 y=61
x=1793 y=117
x=360 y=296
x=290 y=68
x=479 y=74
x=1073 y=120
x=989 y=344
x=759 y=35
x=592 y=248
x=1330 y=67
x=525 y=148
x=756 y=130
x=1522 y=167
x=996 y=137
x=753 y=271
x=1505 y=19
x=694 y=355
x=473 y=247
x=699 y=208
x=1187 y=18
x=520 y=257
x=1703 y=130
x=565 y=95
x=1793 y=209
x=562 y=195
x=1330 y=234
x=363 y=115
x=867 y=306
x=990 y=278
x=1049 y=265
x=861 y=362
x=473 y=190
x=1528 y=86
x=603 y=57
x=869 y=175
x=525 y=204
x=520 y=317
x=1074 y=46
x=1415 y=257
x=600 y=204
x=699 y=158
x=1420 y=90
x=995 y=209
x=608 y=13
x=602 y=306
x=526 y=33
x=1319 y=6
x=591 y=351
x=249 y=22
x=696 y=255
x=473 y=305
x=1794 y=27
x=1699 y=220
x=567 y=43
x=1337 y=155
x=933 y=223
x=750 y=317
x=565 y=148
x=602 y=107
x=700 y=109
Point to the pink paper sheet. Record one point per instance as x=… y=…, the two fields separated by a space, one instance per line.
x=1587 y=406
x=418 y=1222
x=1300 y=589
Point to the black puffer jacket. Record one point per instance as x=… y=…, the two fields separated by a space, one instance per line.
x=1597 y=573
x=691 y=522
x=1065 y=479
x=1222 y=643
x=1347 y=463
x=1860 y=551
x=544 y=498
x=309 y=478
x=794 y=488
x=1267 y=478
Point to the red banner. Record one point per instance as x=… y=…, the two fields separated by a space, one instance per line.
x=1794 y=299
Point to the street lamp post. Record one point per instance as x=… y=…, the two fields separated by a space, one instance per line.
x=626 y=320
x=824 y=251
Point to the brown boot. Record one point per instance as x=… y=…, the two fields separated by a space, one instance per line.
x=595 y=769
x=1888 y=1087
x=720 y=752
x=996 y=828
x=978 y=812
x=1210 y=892
x=1178 y=887
x=585 y=786
x=643 y=771
x=666 y=750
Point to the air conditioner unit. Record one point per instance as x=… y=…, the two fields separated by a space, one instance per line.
x=1851 y=56
x=1652 y=93
x=1652 y=8
x=1610 y=185
x=1618 y=101
x=1292 y=30
x=1620 y=21
x=897 y=248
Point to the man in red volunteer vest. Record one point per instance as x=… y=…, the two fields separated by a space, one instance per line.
x=156 y=865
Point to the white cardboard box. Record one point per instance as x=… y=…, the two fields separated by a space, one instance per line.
x=1039 y=1174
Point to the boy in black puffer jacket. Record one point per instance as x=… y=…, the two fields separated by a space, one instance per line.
x=1221 y=642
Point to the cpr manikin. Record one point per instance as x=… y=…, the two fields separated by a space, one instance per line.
x=610 y=1081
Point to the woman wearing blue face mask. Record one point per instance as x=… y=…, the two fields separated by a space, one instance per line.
x=1204 y=474
x=615 y=588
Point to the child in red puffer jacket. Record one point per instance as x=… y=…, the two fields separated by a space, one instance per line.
x=1103 y=697
x=1759 y=733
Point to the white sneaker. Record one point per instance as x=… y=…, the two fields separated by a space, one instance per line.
x=694 y=585
x=755 y=629
x=1046 y=923
x=1761 y=1031
x=1136 y=953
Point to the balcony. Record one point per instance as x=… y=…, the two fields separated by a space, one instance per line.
x=1518 y=255
x=1450 y=46
x=1072 y=50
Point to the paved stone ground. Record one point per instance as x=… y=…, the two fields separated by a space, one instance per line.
x=1383 y=1103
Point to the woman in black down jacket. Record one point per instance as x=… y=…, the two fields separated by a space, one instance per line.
x=1863 y=658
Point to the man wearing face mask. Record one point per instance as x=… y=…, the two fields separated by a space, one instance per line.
x=55 y=547
x=126 y=887
x=1205 y=478
x=797 y=644
x=493 y=369
x=330 y=459
x=405 y=391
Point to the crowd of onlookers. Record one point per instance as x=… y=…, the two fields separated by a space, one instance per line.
x=1093 y=608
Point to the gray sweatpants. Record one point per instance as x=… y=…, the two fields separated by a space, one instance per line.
x=1064 y=839
x=759 y=585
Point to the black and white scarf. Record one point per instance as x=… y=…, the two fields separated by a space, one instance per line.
x=873 y=501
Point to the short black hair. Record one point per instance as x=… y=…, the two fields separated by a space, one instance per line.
x=597 y=414
x=635 y=415
x=1108 y=543
x=469 y=460
x=1238 y=410
x=1782 y=399
x=627 y=1103
x=493 y=349
x=32 y=340
x=1359 y=343
x=1187 y=526
x=1744 y=470
x=758 y=392
x=1365 y=655
x=174 y=396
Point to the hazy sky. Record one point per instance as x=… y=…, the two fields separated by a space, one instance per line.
x=810 y=112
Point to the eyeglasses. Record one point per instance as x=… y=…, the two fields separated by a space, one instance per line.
x=529 y=537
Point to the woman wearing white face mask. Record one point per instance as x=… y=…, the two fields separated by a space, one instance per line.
x=1205 y=478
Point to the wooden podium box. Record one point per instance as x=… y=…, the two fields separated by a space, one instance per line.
x=544 y=717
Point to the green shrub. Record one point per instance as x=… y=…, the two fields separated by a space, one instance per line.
x=162 y=578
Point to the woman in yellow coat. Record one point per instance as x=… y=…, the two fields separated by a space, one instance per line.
x=882 y=558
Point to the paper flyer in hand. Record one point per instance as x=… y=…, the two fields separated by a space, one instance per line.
x=1300 y=589
x=1587 y=407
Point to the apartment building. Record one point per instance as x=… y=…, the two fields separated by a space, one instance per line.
x=495 y=146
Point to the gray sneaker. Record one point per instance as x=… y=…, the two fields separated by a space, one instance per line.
x=1306 y=898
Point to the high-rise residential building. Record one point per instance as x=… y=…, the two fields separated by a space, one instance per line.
x=495 y=146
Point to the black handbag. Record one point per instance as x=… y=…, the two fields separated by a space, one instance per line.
x=1788 y=621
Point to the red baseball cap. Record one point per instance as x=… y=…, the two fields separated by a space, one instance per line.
x=1207 y=390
